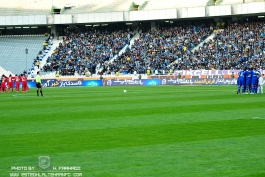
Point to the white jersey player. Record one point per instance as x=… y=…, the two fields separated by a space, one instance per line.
x=260 y=84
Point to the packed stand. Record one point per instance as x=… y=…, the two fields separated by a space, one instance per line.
x=86 y=51
x=237 y=47
x=157 y=48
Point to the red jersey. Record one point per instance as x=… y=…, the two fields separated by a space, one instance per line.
x=4 y=79
x=23 y=79
x=10 y=79
x=17 y=78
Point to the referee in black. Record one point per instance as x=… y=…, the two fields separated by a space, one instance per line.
x=38 y=84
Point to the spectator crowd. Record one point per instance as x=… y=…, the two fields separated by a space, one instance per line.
x=239 y=46
x=156 y=49
x=162 y=50
x=81 y=52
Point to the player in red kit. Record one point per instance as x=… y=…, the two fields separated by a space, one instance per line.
x=24 y=83
x=10 y=83
x=27 y=87
x=3 y=84
x=17 y=79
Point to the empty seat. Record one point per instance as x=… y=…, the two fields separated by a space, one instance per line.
x=12 y=53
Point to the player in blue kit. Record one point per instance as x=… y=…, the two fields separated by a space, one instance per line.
x=241 y=81
x=248 y=81
x=254 y=81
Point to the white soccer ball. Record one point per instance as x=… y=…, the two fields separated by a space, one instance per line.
x=124 y=91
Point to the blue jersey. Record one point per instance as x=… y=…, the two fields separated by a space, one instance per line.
x=241 y=78
x=258 y=73
x=254 y=77
x=241 y=75
x=248 y=75
x=248 y=78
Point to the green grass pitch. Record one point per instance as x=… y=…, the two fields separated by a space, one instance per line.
x=172 y=131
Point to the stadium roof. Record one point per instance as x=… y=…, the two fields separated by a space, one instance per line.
x=44 y=7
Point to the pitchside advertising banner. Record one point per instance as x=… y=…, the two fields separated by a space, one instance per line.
x=183 y=77
x=136 y=82
x=205 y=72
x=152 y=82
x=65 y=83
x=208 y=72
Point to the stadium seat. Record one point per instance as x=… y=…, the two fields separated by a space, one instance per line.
x=13 y=52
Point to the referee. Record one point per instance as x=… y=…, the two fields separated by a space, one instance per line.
x=38 y=84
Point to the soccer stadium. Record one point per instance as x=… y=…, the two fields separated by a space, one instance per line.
x=123 y=88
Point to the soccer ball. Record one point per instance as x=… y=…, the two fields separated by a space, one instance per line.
x=124 y=91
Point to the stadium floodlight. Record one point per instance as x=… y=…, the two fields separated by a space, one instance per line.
x=25 y=26
x=260 y=16
x=96 y=25
x=18 y=27
x=34 y=27
x=128 y=23
x=88 y=25
x=27 y=51
x=9 y=27
x=166 y=21
x=104 y=24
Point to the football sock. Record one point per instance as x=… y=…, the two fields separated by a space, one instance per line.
x=238 y=89
x=41 y=92
x=247 y=89
x=252 y=89
x=37 y=92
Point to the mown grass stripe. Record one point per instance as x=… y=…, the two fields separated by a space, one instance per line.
x=67 y=141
